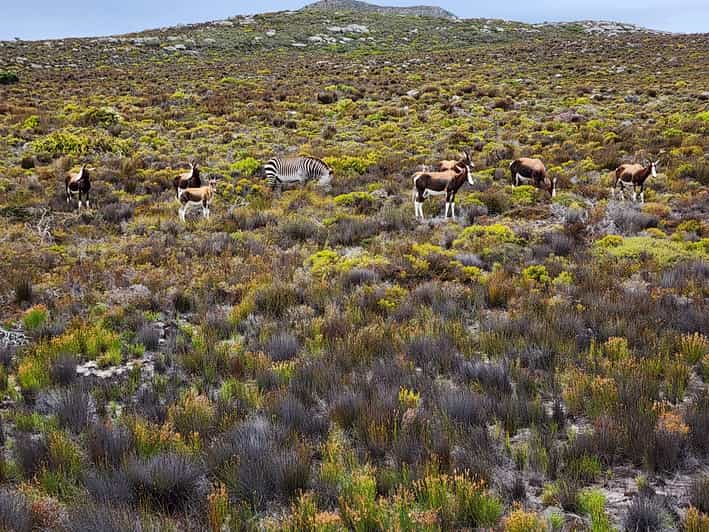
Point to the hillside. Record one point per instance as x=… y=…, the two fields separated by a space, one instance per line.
x=316 y=358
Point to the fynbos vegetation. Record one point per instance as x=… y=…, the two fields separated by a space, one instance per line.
x=308 y=348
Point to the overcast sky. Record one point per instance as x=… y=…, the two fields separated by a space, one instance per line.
x=44 y=19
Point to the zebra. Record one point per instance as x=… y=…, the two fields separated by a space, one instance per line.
x=298 y=169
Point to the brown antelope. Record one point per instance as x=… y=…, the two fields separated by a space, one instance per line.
x=634 y=175
x=197 y=196
x=78 y=183
x=525 y=170
x=447 y=182
x=446 y=165
x=188 y=179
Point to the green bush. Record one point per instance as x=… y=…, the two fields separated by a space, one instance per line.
x=7 y=78
x=537 y=273
x=246 y=167
x=523 y=195
x=35 y=317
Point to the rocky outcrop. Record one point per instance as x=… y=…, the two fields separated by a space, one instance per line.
x=356 y=5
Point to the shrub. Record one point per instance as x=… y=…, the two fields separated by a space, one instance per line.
x=482 y=238
x=593 y=503
x=520 y=520
x=64 y=454
x=194 y=414
x=8 y=78
x=699 y=493
x=523 y=195
x=256 y=467
x=360 y=201
x=282 y=346
x=168 y=482
x=30 y=453
x=630 y=220
x=643 y=515
x=460 y=501
x=183 y=302
x=298 y=229
x=24 y=291
x=15 y=512
x=693 y=347
x=149 y=336
x=35 y=317
x=462 y=406
x=108 y=445
x=490 y=376
x=275 y=298
x=697 y=418
x=103 y=518
x=537 y=273
x=109 y=487
x=351 y=230
x=669 y=441
x=695 y=521
x=359 y=276
x=117 y=212
x=74 y=409
x=433 y=354
x=296 y=417
x=63 y=370
x=246 y=167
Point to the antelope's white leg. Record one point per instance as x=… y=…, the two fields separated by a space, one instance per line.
x=635 y=195
x=453 y=210
x=516 y=179
x=87 y=204
x=447 y=207
x=642 y=197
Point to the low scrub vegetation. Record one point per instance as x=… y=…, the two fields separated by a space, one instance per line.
x=314 y=358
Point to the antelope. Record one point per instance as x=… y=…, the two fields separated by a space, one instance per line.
x=634 y=175
x=78 y=183
x=447 y=182
x=446 y=165
x=524 y=170
x=197 y=196
x=188 y=179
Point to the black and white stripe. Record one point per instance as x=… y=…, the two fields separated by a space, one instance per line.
x=297 y=169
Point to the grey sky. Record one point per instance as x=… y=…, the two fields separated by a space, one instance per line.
x=44 y=19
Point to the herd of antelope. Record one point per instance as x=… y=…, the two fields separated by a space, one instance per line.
x=447 y=179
